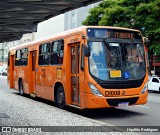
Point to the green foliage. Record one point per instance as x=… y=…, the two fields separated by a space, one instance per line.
x=94 y=17
x=143 y=15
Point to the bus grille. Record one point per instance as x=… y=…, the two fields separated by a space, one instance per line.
x=115 y=102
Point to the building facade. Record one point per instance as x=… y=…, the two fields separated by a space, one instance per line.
x=74 y=18
x=4 y=47
x=63 y=22
x=2 y=52
x=50 y=27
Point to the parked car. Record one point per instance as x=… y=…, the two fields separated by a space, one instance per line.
x=4 y=72
x=154 y=83
x=1 y=69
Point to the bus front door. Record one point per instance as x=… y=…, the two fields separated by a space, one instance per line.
x=75 y=93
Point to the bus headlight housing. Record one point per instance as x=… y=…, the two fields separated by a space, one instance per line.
x=145 y=88
x=94 y=90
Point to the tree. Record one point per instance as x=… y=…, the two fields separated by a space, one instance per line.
x=143 y=15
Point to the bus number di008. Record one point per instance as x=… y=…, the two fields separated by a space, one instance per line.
x=112 y=93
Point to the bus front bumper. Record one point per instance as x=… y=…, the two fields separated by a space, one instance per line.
x=92 y=101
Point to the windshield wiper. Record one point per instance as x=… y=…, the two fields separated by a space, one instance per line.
x=107 y=44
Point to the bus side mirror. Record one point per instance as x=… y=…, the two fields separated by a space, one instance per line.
x=87 y=51
x=146 y=41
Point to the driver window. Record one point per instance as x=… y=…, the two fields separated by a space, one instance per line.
x=97 y=60
x=96 y=53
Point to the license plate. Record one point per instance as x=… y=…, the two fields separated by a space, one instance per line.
x=123 y=104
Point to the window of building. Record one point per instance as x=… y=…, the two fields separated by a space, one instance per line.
x=44 y=54
x=57 y=50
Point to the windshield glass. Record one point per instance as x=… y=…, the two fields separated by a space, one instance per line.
x=117 y=61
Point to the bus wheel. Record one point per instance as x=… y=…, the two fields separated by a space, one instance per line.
x=60 y=98
x=21 y=88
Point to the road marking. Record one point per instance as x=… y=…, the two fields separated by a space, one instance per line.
x=143 y=106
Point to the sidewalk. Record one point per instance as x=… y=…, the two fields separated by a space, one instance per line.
x=16 y=110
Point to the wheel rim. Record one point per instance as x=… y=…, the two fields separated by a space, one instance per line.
x=61 y=99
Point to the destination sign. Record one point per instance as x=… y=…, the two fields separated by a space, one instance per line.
x=125 y=35
x=113 y=33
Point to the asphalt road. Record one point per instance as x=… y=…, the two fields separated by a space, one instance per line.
x=141 y=115
x=3 y=83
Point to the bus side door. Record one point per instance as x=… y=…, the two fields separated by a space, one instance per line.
x=77 y=75
x=33 y=72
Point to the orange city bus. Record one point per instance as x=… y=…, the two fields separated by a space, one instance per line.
x=87 y=67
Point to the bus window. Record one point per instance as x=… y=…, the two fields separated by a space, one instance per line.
x=24 y=57
x=18 y=58
x=57 y=50
x=44 y=54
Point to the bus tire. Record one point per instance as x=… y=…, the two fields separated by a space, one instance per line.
x=60 y=98
x=21 y=92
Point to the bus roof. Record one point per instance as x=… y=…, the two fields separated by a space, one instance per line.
x=65 y=33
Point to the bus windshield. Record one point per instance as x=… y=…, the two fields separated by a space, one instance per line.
x=117 y=60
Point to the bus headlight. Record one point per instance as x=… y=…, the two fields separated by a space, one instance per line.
x=94 y=90
x=145 y=88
